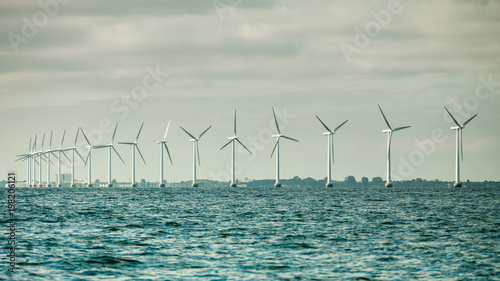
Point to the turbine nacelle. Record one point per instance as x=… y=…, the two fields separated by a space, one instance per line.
x=387 y=131
x=277 y=136
x=456 y=128
x=232 y=138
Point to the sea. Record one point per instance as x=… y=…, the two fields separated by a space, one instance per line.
x=267 y=233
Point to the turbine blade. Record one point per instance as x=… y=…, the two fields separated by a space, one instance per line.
x=227 y=144
x=168 y=152
x=187 y=133
x=138 y=150
x=198 y=152
x=289 y=138
x=235 y=122
x=76 y=138
x=324 y=125
x=137 y=138
x=65 y=156
x=275 y=147
x=114 y=133
x=50 y=143
x=204 y=132
x=468 y=120
x=243 y=146
x=118 y=154
x=29 y=147
x=43 y=140
x=62 y=141
x=166 y=131
x=87 y=158
x=338 y=127
x=129 y=143
x=387 y=122
x=85 y=136
x=276 y=121
x=401 y=128
x=79 y=155
x=454 y=120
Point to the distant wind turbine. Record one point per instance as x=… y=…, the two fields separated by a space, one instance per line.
x=163 y=144
x=277 y=148
x=196 y=152
x=73 y=150
x=134 y=146
x=88 y=160
x=389 y=139
x=459 y=142
x=49 y=151
x=59 y=151
x=40 y=155
x=329 y=153
x=110 y=147
x=27 y=157
x=231 y=141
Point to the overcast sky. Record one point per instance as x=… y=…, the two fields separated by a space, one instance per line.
x=95 y=63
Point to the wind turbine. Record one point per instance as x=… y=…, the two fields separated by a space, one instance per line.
x=88 y=160
x=49 y=151
x=40 y=154
x=110 y=147
x=59 y=151
x=163 y=143
x=196 y=152
x=33 y=155
x=231 y=141
x=459 y=141
x=73 y=150
x=329 y=152
x=389 y=139
x=134 y=146
x=27 y=156
x=277 y=148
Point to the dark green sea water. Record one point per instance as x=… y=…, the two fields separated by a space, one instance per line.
x=254 y=234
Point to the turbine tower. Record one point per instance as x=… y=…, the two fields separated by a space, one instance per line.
x=163 y=144
x=88 y=160
x=329 y=152
x=277 y=148
x=196 y=152
x=73 y=150
x=59 y=151
x=134 y=146
x=110 y=147
x=231 y=141
x=459 y=144
x=389 y=139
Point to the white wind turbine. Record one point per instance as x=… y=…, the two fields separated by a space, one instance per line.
x=110 y=147
x=27 y=156
x=49 y=151
x=163 y=144
x=73 y=150
x=231 y=141
x=59 y=151
x=459 y=141
x=196 y=152
x=88 y=160
x=40 y=155
x=33 y=155
x=389 y=139
x=134 y=146
x=329 y=153
x=277 y=148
